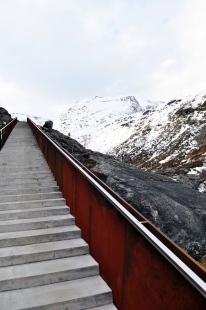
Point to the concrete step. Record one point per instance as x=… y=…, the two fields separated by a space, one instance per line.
x=33 y=213
x=22 y=184
x=106 y=307
x=37 y=223
x=76 y=294
x=19 y=178
x=21 y=148
x=29 y=197
x=33 y=153
x=18 y=238
x=32 y=204
x=20 y=156
x=20 y=143
x=23 y=165
x=22 y=151
x=22 y=162
x=19 y=160
x=32 y=190
x=29 y=170
x=47 y=272
x=37 y=252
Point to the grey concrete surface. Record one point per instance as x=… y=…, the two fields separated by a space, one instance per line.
x=75 y=294
x=36 y=252
x=32 y=204
x=47 y=272
x=44 y=262
x=34 y=212
x=31 y=190
x=27 y=197
x=106 y=307
x=9 y=239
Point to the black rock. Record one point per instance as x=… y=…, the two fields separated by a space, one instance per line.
x=48 y=124
x=176 y=209
x=5 y=117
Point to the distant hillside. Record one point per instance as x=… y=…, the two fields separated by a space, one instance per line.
x=100 y=123
x=170 y=139
x=23 y=118
x=163 y=137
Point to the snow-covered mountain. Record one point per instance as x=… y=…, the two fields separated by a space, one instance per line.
x=23 y=118
x=170 y=139
x=101 y=123
x=164 y=137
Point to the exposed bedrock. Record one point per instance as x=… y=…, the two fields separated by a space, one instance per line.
x=176 y=209
x=5 y=117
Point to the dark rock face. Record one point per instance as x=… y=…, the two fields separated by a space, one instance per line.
x=48 y=124
x=176 y=209
x=5 y=117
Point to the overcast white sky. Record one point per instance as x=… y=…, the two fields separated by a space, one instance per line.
x=55 y=52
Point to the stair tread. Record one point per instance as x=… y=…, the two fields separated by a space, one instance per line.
x=32 y=201
x=36 y=232
x=32 y=190
x=81 y=291
x=16 y=211
x=42 y=247
x=30 y=197
x=46 y=267
x=35 y=195
x=23 y=183
x=106 y=307
x=29 y=177
x=37 y=219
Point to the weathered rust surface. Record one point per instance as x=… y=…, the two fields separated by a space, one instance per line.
x=5 y=132
x=188 y=260
x=138 y=274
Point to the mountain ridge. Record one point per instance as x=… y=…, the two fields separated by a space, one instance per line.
x=162 y=137
x=91 y=121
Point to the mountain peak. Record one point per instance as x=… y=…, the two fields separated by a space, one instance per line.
x=92 y=120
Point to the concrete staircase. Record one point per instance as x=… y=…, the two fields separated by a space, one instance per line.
x=44 y=262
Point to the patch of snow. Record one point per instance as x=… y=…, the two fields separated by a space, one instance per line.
x=23 y=118
x=202 y=188
x=196 y=170
x=100 y=123
x=166 y=159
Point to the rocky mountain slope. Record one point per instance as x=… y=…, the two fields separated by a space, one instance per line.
x=170 y=139
x=5 y=117
x=176 y=209
x=163 y=137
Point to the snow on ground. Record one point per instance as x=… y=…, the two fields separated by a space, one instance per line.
x=23 y=118
x=156 y=130
x=100 y=123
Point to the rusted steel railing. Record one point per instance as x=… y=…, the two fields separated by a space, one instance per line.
x=138 y=262
x=5 y=132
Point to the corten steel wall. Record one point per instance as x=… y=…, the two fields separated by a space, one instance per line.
x=138 y=274
x=5 y=132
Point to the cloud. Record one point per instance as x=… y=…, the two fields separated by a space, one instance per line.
x=56 y=52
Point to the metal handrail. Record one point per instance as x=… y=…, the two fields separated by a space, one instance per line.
x=195 y=280
x=179 y=252
x=7 y=129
